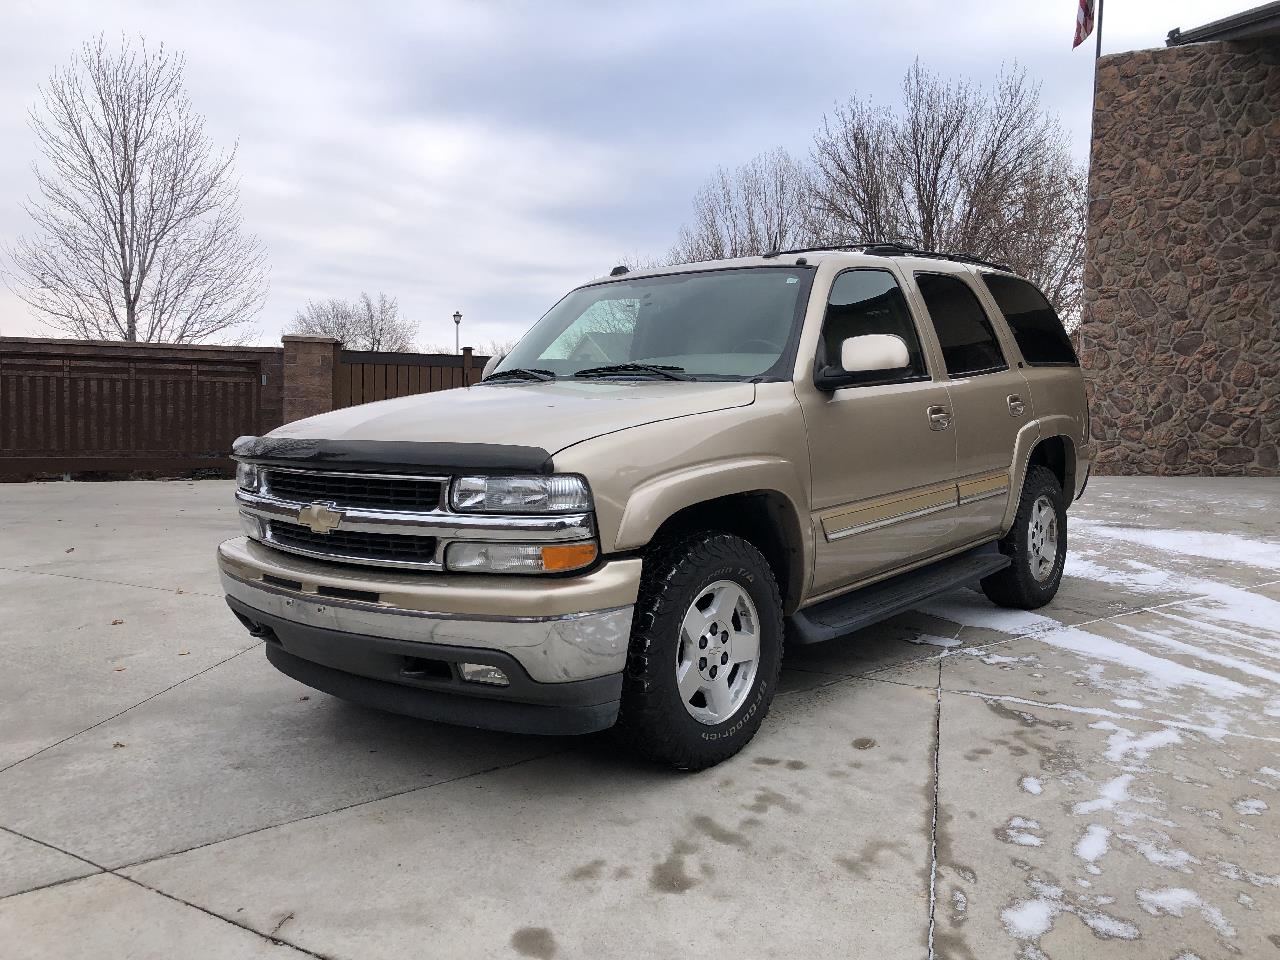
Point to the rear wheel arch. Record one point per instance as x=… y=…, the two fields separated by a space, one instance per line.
x=1041 y=444
x=1058 y=455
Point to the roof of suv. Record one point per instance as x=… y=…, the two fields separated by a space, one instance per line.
x=863 y=255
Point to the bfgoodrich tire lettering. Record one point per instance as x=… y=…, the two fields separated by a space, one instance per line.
x=654 y=717
x=1028 y=583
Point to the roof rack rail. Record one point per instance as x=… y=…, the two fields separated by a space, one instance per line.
x=895 y=249
x=902 y=250
x=825 y=246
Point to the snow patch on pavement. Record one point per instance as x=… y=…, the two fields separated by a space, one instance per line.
x=1233 y=871
x=1017 y=831
x=1228 y=547
x=1161 y=856
x=1113 y=792
x=1122 y=743
x=1093 y=846
x=1032 y=918
x=1161 y=673
x=1175 y=901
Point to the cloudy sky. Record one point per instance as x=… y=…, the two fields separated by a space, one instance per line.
x=486 y=156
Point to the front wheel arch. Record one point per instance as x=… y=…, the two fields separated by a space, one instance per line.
x=767 y=519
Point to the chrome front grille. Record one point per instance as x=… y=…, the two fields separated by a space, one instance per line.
x=384 y=520
x=354 y=546
x=374 y=491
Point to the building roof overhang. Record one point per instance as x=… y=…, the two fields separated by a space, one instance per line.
x=1263 y=21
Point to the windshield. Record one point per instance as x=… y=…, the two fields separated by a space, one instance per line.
x=712 y=325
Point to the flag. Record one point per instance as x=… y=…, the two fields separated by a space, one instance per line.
x=1084 y=22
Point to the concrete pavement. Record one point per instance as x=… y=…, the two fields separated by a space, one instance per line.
x=1097 y=778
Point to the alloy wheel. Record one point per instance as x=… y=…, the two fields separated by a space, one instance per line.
x=718 y=653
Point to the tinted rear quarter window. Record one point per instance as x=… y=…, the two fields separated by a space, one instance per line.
x=1035 y=325
x=969 y=344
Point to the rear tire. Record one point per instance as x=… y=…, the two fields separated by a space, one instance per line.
x=1036 y=545
x=705 y=654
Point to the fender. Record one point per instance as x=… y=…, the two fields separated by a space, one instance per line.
x=662 y=496
x=1057 y=425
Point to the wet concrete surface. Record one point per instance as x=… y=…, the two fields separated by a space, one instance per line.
x=1098 y=778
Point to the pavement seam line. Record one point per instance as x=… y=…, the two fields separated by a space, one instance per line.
x=107 y=871
x=350 y=806
x=98 y=868
x=270 y=938
x=937 y=782
x=159 y=693
x=114 y=583
x=1211 y=732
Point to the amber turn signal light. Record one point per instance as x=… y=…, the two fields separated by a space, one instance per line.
x=567 y=556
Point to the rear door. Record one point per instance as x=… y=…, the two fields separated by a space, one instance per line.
x=1050 y=365
x=989 y=399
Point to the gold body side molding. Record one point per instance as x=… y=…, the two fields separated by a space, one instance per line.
x=984 y=486
x=882 y=511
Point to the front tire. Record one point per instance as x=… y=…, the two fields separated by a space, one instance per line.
x=705 y=654
x=1036 y=546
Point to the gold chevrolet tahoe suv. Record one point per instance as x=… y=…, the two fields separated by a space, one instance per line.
x=671 y=472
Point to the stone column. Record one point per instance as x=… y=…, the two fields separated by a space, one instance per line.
x=1180 y=338
x=309 y=366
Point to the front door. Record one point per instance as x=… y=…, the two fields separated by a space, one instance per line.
x=990 y=401
x=883 y=449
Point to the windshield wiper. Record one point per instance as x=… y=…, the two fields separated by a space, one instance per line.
x=524 y=373
x=657 y=369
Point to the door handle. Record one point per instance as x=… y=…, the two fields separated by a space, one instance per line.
x=1016 y=407
x=939 y=417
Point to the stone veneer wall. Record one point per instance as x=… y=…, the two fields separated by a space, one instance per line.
x=1180 y=337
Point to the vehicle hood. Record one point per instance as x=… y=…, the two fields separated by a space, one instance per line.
x=547 y=415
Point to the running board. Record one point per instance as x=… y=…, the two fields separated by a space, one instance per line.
x=862 y=608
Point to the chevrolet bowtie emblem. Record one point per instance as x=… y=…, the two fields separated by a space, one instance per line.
x=320 y=516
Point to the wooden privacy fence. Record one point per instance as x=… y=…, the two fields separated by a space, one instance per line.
x=91 y=406
x=362 y=377
x=77 y=406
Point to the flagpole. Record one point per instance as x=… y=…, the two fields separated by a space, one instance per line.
x=1098 y=53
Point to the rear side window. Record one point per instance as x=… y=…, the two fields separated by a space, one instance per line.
x=969 y=344
x=1035 y=325
x=870 y=301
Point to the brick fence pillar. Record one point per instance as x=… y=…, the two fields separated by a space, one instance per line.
x=467 y=370
x=309 y=365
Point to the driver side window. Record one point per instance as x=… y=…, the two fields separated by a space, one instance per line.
x=865 y=301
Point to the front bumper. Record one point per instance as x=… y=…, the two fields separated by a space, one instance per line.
x=393 y=640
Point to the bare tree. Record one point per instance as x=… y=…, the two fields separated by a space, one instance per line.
x=759 y=206
x=138 y=227
x=956 y=168
x=365 y=324
x=494 y=348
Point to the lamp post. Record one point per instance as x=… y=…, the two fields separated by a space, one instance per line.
x=457 y=331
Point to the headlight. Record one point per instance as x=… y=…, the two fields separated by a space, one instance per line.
x=519 y=557
x=555 y=494
x=247 y=477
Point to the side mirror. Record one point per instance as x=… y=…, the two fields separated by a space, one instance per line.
x=874 y=351
x=492 y=364
x=870 y=353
